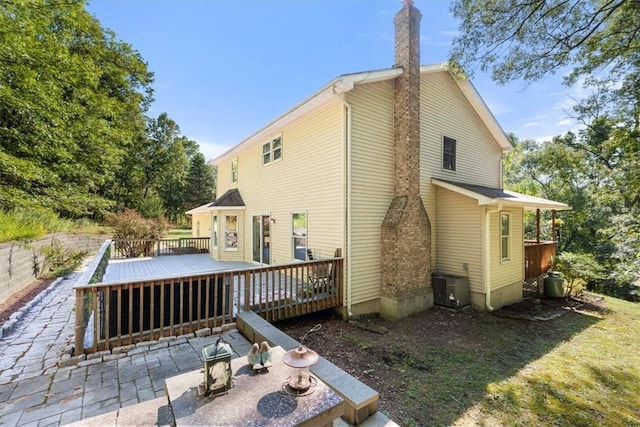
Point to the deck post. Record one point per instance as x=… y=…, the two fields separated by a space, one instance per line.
x=538 y=226
x=553 y=225
x=247 y=290
x=79 y=329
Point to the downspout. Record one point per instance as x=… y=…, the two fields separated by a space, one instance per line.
x=347 y=138
x=486 y=259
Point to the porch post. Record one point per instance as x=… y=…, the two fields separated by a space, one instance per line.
x=553 y=225
x=538 y=226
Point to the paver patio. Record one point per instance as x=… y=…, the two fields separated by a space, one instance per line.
x=37 y=388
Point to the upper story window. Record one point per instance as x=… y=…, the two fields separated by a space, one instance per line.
x=234 y=170
x=448 y=154
x=505 y=233
x=272 y=150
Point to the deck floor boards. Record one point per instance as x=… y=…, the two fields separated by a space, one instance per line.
x=166 y=266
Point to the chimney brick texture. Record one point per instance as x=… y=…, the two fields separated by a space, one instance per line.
x=406 y=230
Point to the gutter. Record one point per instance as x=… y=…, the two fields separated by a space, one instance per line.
x=486 y=259
x=347 y=138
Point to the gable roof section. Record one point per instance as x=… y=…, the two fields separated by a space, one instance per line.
x=347 y=82
x=499 y=196
x=229 y=200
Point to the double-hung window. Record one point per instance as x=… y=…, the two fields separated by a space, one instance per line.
x=272 y=150
x=448 y=154
x=505 y=233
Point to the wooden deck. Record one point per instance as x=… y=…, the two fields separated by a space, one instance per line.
x=166 y=266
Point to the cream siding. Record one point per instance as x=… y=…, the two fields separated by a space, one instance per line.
x=459 y=230
x=308 y=178
x=200 y=224
x=504 y=273
x=446 y=112
x=371 y=183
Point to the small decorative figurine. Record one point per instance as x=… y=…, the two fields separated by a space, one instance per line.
x=259 y=357
x=254 y=358
x=265 y=354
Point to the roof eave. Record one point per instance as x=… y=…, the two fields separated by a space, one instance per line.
x=530 y=203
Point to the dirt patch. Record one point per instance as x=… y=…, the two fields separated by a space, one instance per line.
x=18 y=300
x=432 y=366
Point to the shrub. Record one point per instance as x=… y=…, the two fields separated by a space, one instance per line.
x=60 y=260
x=578 y=269
x=133 y=229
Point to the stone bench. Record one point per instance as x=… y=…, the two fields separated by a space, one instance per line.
x=361 y=400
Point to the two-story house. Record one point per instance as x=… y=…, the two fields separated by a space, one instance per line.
x=401 y=168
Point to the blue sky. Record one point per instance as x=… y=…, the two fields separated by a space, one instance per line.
x=225 y=68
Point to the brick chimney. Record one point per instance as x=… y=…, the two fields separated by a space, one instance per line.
x=406 y=230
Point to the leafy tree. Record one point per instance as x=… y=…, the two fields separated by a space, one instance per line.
x=71 y=101
x=201 y=183
x=528 y=40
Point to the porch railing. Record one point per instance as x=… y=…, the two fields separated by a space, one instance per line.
x=135 y=248
x=113 y=315
x=538 y=257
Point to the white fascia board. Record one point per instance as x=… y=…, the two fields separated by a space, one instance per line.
x=201 y=208
x=348 y=82
x=228 y=208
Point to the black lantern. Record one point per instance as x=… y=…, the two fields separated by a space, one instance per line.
x=217 y=368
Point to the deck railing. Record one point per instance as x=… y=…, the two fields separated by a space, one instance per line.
x=146 y=310
x=285 y=291
x=135 y=248
x=113 y=315
x=538 y=257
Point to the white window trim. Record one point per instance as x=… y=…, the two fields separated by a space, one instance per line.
x=455 y=155
x=508 y=236
x=271 y=151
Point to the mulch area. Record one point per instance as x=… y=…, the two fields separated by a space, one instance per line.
x=18 y=300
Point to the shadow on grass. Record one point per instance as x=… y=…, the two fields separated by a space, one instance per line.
x=435 y=367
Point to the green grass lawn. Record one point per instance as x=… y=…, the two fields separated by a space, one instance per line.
x=589 y=378
x=467 y=368
x=177 y=233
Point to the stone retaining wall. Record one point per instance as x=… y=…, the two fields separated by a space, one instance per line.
x=21 y=263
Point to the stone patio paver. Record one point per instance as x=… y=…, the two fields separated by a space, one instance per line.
x=37 y=389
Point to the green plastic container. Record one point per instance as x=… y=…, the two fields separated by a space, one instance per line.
x=554 y=285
